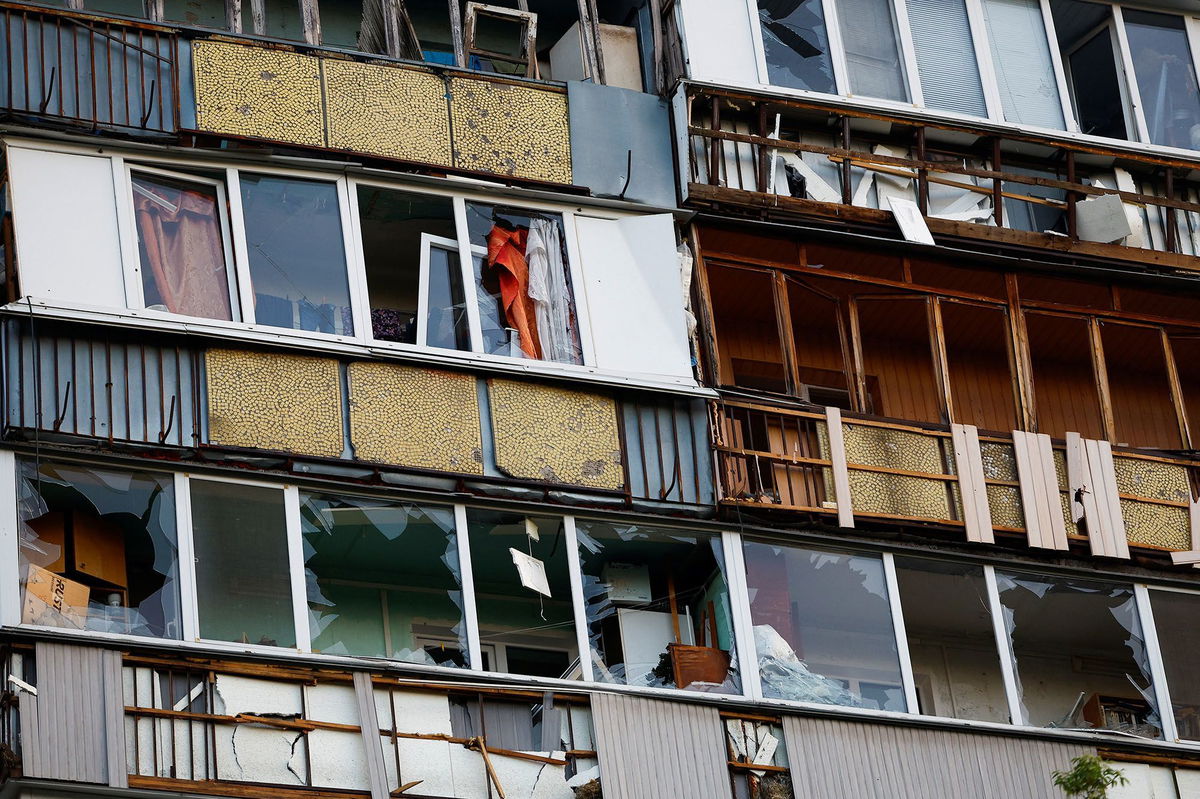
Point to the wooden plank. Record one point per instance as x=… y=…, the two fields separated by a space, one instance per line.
x=1029 y=497
x=841 y=474
x=1097 y=525
x=258 y=13
x=1055 y=522
x=1076 y=473
x=368 y=720
x=979 y=484
x=1118 y=538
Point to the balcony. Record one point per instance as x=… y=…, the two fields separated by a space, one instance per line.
x=841 y=166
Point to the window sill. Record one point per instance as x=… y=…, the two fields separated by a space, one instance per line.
x=348 y=346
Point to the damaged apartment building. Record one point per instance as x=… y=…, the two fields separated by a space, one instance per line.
x=730 y=399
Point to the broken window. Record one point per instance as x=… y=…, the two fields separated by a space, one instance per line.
x=1064 y=383
x=743 y=307
x=523 y=284
x=951 y=640
x=896 y=355
x=1024 y=68
x=1175 y=616
x=1139 y=388
x=523 y=593
x=823 y=627
x=758 y=763
x=1166 y=77
x=817 y=330
x=183 y=244
x=383 y=579
x=1078 y=655
x=797 y=44
x=981 y=380
x=98 y=550
x=297 y=256
x=872 y=48
x=1090 y=54
x=658 y=607
x=243 y=583
x=945 y=50
x=499 y=39
x=414 y=279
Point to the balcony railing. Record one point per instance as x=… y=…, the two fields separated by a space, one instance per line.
x=819 y=159
x=77 y=69
x=817 y=462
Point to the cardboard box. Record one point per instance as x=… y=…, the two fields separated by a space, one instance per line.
x=54 y=601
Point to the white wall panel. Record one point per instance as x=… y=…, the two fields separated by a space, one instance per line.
x=65 y=221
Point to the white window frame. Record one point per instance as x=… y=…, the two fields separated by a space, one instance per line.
x=1120 y=63
x=1127 y=79
x=428 y=243
x=130 y=249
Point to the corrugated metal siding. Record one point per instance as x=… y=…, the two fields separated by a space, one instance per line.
x=80 y=732
x=667 y=449
x=651 y=749
x=115 y=388
x=833 y=759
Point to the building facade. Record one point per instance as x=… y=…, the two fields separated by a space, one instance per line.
x=791 y=398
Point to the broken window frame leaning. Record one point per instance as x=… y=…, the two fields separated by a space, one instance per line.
x=731 y=543
x=989 y=71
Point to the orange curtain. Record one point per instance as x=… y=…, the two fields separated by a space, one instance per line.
x=180 y=232
x=506 y=254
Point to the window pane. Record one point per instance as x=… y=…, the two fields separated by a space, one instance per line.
x=523 y=284
x=297 y=259
x=1139 y=388
x=897 y=360
x=743 y=306
x=398 y=230
x=981 y=381
x=1091 y=67
x=1166 y=77
x=951 y=641
x=872 y=49
x=383 y=579
x=823 y=627
x=1078 y=653
x=1024 y=69
x=796 y=44
x=1179 y=640
x=243 y=590
x=97 y=550
x=946 y=61
x=515 y=617
x=657 y=607
x=341 y=21
x=1064 y=384
x=181 y=247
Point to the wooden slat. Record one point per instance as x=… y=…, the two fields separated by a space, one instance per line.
x=1029 y=502
x=968 y=461
x=368 y=720
x=1118 y=539
x=841 y=473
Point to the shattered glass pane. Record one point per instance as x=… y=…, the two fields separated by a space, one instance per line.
x=823 y=627
x=383 y=579
x=523 y=593
x=243 y=586
x=658 y=607
x=796 y=44
x=98 y=549
x=951 y=641
x=1078 y=655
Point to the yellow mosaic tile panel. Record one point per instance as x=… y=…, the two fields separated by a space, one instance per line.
x=256 y=92
x=288 y=403
x=1156 y=525
x=510 y=130
x=1153 y=479
x=894 y=449
x=388 y=111
x=999 y=461
x=1004 y=503
x=556 y=435
x=421 y=418
x=900 y=495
